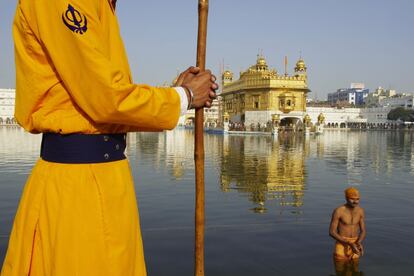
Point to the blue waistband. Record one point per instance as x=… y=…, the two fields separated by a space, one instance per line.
x=83 y=148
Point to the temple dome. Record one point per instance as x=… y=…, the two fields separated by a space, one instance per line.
x=227 y=74
x=227 y=77
x=261 y=61
x=300 y=65
x=261 y=64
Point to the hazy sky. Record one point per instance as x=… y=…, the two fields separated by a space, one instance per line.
x=341 y=41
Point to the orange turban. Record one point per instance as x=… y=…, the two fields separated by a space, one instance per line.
x=351 y=192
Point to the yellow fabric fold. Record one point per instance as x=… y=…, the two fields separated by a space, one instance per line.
x=77 y=219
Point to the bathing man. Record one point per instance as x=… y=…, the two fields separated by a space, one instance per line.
x=348 y=228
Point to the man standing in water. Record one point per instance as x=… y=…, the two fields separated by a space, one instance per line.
x=348 y=228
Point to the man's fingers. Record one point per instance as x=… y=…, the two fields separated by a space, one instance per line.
x=194 y=70
x=361 y=248
x=180 y=79
x=203 y=86
x=205 y=74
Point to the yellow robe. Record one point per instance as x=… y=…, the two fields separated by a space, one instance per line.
x=72 y=76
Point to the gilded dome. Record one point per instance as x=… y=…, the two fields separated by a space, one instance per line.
x=300 y=64
x=227 y=74
x=261 y=61
x=227 y=77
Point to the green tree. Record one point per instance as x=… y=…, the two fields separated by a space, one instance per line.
x=400 y=113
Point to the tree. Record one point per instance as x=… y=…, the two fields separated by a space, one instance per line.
x=402 y=114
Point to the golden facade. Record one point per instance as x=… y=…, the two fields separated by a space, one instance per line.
x=262 y=89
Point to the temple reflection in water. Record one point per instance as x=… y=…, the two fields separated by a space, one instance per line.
x=268 y=170
x=265 y=169
x=262 y=168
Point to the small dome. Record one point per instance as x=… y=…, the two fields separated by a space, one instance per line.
x=227 y=74
x=300 y=65
x=261 y=61
x=227 y=77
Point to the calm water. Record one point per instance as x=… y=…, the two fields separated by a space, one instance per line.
x=268 y=201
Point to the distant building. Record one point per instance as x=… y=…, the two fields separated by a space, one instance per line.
x=334 y=117
x=373 y=99
x=357 y=85
x=344 y=117
x=7 y=101
x=399 y=100
x=354 y=95
x=376 y=115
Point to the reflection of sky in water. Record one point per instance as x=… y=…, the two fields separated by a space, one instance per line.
x=268 y=201
x=18 y=150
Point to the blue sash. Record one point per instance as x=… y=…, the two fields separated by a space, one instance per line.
x=83 y=148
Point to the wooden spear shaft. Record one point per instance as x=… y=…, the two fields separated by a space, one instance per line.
x=199 y=144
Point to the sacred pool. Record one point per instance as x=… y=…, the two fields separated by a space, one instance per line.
x=268 y=200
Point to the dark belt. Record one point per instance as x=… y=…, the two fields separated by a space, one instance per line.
x=83 y=148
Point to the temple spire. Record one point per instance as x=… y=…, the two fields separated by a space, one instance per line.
x=286 y=64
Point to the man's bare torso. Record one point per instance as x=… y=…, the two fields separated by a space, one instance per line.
x=349 y=221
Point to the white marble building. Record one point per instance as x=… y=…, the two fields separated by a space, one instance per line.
x=341 y=118
x=7 y=101
x=334 y=117
x=376 y=115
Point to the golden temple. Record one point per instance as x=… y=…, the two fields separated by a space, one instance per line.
x=261 y=92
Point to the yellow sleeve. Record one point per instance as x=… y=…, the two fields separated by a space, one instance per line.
x=76 y=41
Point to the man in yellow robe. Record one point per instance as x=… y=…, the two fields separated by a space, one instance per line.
x=78 y=212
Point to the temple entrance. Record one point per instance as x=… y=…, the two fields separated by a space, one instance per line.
x=291 y=124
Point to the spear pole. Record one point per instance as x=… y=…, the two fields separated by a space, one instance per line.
x=199 y=145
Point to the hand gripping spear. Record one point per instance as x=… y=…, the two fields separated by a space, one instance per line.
x=199 y=144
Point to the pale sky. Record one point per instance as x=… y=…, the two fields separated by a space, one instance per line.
x=341 y=41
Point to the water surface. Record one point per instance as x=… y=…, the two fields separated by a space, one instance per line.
x=268 y=201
